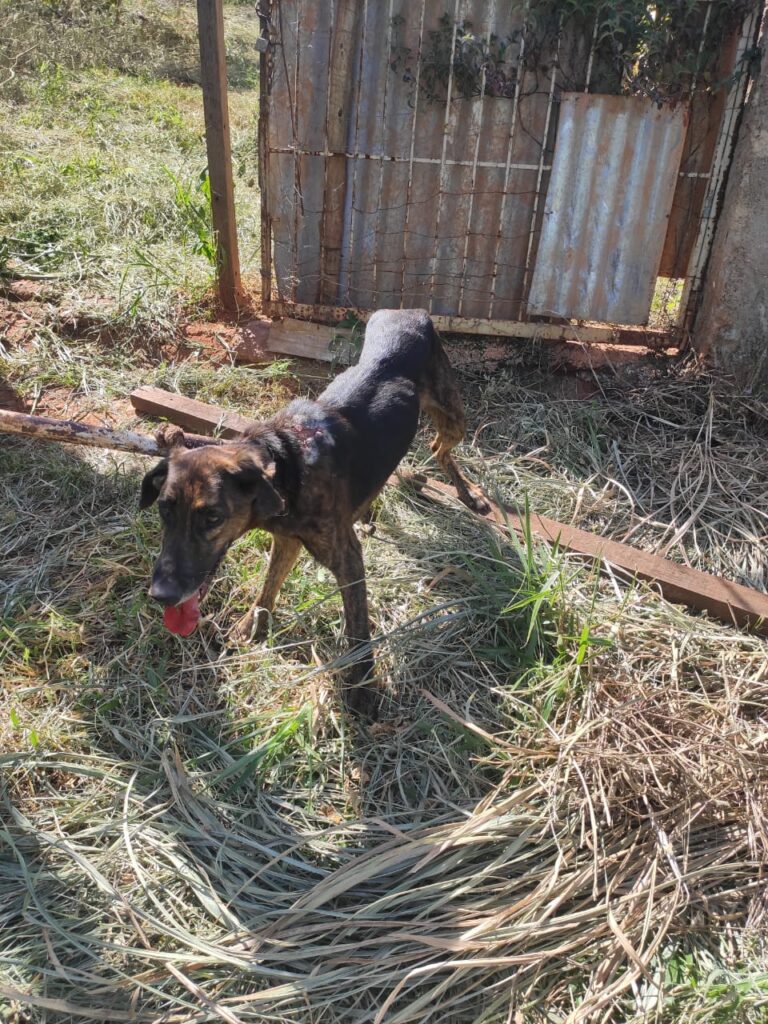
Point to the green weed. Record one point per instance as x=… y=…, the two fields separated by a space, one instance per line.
x=194 y=205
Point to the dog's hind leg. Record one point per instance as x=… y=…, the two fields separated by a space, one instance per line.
x=440 y=398
x=282 y=558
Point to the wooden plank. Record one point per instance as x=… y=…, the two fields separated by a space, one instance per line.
x=310 y=341
x=280 y=187
x=43 y=428
x=314 y=30
x=371 y=113
x=730 y=602
x=339 y=113
x=599 y=333
x=210 y=21
x=399 y=111
x=679 y=584
x=492 y=239
x=188 y=413
x=341 y=346
x=460 y=201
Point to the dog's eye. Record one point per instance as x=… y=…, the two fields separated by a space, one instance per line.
x=212 y=519
x=165 y=512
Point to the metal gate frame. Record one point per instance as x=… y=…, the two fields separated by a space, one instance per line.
x=519 y=328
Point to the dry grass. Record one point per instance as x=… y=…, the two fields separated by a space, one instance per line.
x=677 y=464
x=562 y=815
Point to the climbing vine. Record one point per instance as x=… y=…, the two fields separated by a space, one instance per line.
x=638 y=48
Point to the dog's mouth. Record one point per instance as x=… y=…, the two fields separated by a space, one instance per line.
x=182 y=618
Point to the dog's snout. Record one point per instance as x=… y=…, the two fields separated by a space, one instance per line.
x=165 y=591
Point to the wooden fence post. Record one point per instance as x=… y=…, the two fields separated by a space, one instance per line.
x=210 y=23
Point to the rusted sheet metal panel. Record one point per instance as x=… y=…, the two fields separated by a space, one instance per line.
x=704 y=125
x=610 y=194
x=381 y=194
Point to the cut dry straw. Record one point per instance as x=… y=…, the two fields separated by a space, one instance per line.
x=562 y=816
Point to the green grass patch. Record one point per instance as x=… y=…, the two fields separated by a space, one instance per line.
x=102 y=154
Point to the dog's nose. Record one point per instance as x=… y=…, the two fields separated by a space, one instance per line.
x=165 y=591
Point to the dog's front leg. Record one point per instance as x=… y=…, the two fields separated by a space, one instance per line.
x=345 y=560
x=282 y=558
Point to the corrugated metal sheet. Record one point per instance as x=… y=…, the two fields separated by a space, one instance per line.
x=610 y=195
x=377 y=194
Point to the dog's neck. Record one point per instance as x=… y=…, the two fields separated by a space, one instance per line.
x=277 y=444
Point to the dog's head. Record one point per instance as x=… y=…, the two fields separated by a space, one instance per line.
x=207 y=498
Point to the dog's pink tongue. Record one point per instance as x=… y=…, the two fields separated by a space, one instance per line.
x=182 y=619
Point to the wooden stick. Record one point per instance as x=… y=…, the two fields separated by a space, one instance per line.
x=45 y=429
x=213 y=64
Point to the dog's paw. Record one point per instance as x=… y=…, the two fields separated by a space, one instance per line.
x=477 y=501
x=254 y=625
x=471 y=496
x=363 y=700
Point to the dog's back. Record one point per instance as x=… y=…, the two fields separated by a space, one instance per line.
x=379 y=397
x=401 y=338
x=399 y=344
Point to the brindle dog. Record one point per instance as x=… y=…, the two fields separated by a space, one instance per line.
x=306 y=476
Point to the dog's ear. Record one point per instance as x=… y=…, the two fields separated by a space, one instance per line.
x=255 y=480
x=152 y=484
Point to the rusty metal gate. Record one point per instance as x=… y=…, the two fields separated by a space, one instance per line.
x=512 y=200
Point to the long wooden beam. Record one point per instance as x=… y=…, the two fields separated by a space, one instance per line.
x=648 y=337
x=724 y=600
